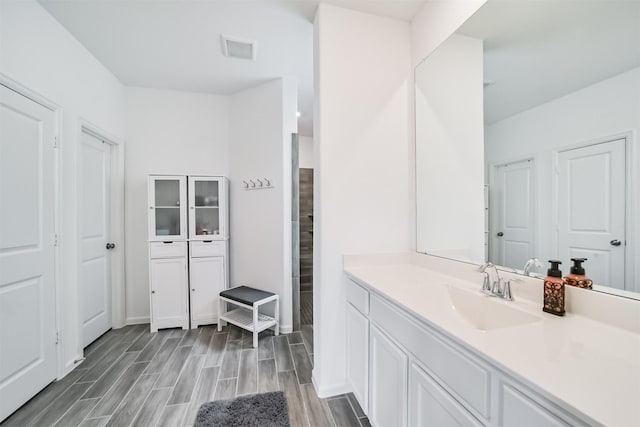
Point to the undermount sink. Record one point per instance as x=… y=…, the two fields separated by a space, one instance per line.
x=486 y=313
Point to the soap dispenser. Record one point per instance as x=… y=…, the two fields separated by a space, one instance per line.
x=554 y=290
x=578 y=277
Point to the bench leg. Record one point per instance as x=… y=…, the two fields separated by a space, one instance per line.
x=255 y=326
x=219 y=314
x=277 y=316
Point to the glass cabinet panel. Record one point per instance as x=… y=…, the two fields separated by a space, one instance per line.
x=167 y=192
x=206 y=207
x=205 y=200
x=206 y=193
x=167 y=217
x=168 y=221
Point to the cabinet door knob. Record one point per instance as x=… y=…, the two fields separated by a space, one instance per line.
x=193 y=290
x=153 y=292
x=615 y=242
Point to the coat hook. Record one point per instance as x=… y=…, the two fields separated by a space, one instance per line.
x=246 y=184
x=268 y=182
x=253 y=184
x=260 y=182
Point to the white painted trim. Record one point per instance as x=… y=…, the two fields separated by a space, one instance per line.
x=331 y=389
x=72 y=364
x=286 y=329
x=632 y=202
x=139 y=320
x=36 y=97
x=116 y=222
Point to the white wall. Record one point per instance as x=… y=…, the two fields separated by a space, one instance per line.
x=435 y=22
x=37 y=52
x=361 y=130
x=449 y=148
x=607 y=108
x=430 y=27
x=305 y=152
x=168 y=132
x=262 y=120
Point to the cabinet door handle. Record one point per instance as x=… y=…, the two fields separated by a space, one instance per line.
x=167 y=242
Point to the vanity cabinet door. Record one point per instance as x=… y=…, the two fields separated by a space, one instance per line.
x=518 y=410
x=388 y=382
x=358 y=355
x=431 y=405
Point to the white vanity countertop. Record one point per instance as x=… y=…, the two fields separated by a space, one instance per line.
x=592 y=366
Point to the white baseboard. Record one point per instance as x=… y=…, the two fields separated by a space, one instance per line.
x=325 y=391
x=286 y=329
x=71 y=365
x=137 y=320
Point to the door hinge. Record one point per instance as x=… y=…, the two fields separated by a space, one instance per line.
x=57 y=337
x=55 y=239
x=55 y=142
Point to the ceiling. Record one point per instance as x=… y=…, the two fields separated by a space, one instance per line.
x=176 y=44
x=538 y=50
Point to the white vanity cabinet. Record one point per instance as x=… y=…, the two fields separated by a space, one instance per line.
x=420 y=376
x=432 y=406
x=358 y=342
x=388 y=381
x=188 y=249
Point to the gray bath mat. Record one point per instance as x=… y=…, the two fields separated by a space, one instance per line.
x=262 y=409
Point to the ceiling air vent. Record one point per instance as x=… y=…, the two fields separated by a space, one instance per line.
x=235 y=47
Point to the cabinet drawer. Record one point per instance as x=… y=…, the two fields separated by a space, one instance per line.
x=358 y=297
x=456 y=369
x=207 y=248
x=168 y=249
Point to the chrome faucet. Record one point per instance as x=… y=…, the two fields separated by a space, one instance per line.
x=495 y=289
x=532 y=263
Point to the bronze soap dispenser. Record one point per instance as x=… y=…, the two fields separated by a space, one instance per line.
x=554 y=290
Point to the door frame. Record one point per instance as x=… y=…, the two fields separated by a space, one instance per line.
x=632 y=204
x=116 y=223
x=494 y=205
x=36 y=97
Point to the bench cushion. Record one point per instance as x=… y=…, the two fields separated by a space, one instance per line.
x=246 y=295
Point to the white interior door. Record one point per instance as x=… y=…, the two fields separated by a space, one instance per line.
x=27 y=227
x=592 y=209
x=513 y=221
x=95 y=284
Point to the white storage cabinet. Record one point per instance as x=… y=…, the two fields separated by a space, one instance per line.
x=188 y=249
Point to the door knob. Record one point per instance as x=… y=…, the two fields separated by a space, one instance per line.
x=111 y=245
x=615 y=242
x=500 y=234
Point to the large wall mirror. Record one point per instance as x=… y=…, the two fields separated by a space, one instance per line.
x=527 y=123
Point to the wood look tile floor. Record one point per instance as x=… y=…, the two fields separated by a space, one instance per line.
x=131 y=377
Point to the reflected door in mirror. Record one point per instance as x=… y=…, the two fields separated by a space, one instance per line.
x=513 y=217
x=591 y=209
